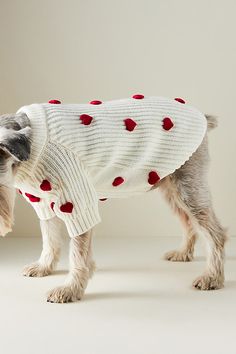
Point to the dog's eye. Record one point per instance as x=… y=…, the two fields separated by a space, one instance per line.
x=3 y=154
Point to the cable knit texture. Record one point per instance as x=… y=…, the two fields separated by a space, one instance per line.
x=81 y=153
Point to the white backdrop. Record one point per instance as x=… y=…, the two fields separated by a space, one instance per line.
x=76 y=51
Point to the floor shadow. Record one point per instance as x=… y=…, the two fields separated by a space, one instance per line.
x=133 y=269
x=199 y=259
x=161 y=266
x=230 y=258
x=60 y=272
x=230 y=284
x=119 y=295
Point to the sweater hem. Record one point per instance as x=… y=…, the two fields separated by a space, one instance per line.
x=81 y=223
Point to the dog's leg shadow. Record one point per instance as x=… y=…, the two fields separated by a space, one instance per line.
x=118 y=295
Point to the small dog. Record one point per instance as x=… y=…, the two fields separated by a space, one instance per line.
x=185 y=189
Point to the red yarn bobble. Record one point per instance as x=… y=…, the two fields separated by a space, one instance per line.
x=180 y=100
x=86 y=119
x=45 y=186
x=130 y=124
x=138 y=97
x=96 y=102
x=153 y=178
x=117 y=181
x=54 y=102
x=32 y=198
x=167 y=123
x=67 y=207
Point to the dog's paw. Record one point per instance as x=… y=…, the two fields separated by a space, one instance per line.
x=178 y=256
x=208 y=282
x=36 y=270
x=63 y=294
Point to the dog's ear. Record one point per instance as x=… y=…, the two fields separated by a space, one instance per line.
x=14 y=140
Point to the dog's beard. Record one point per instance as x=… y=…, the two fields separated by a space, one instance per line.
x=7 y=198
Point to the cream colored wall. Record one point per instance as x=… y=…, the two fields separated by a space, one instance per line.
x=76 y=51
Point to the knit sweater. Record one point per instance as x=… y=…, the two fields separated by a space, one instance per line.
x=81 y=153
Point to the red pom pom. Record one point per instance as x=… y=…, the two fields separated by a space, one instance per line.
x=167 y=123
x=19 y=191
x=117 y=181
x=45 y=185
x=32 y=198
x=153 y=177
x=86 y=119
x=130 y=124
x=67 y=207
x=54 y=102
x=95 y=102
x=52 y=205
x=138 y=97
x=180 y=100
x=103 y=199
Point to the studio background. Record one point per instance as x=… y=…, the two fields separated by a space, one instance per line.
x=76 y=51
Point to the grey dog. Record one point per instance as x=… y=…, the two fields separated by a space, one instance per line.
x=186 y=190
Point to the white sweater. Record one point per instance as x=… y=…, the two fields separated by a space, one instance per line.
x=83 y=152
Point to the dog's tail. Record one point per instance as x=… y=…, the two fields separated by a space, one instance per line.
x=211 y=122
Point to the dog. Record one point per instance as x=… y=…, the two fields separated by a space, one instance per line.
x=185 y=189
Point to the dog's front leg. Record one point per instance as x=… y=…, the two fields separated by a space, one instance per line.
x=81 y=266
x=51 y=235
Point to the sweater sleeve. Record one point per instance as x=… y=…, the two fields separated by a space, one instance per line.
x=73 y=197
x=41 y=206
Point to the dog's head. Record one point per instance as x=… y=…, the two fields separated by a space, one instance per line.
x=14 y=148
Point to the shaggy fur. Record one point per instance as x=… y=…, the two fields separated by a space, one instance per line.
x=186 y=190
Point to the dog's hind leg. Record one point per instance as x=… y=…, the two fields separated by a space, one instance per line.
x=190 y=189
x=171 y=193
x=51 y=235
x=185 y=253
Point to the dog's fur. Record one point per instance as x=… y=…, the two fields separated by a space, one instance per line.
x=186 y=190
